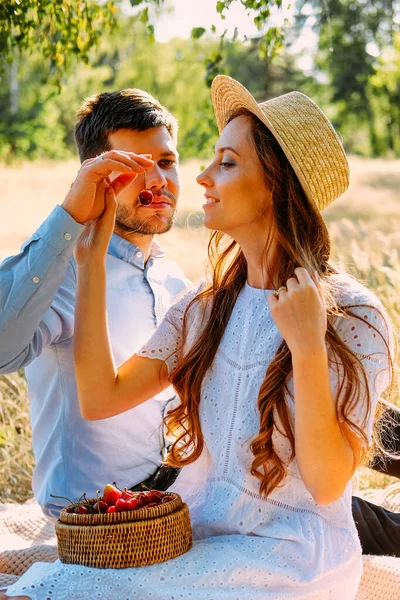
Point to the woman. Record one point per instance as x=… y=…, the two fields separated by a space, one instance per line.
x=278 y=362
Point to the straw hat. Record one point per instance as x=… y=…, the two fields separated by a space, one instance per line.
x=304 y=133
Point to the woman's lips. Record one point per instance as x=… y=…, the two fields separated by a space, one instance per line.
x=210 y=201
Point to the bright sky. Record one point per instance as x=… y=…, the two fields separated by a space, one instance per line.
x=186 y=14
x=183 y=15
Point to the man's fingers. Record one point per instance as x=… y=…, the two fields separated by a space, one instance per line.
x=121 y=155
x=122 y=181
x=137 y=162
x=103 y=168
x=143 y=159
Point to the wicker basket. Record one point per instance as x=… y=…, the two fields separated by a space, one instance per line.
x=125 y=539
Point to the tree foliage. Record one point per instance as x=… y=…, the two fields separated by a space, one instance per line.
x=62 y=29
x=68 y=29
x=356 y=74
x=353 y=35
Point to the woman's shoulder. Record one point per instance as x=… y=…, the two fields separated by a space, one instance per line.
x=364 y=315
x=185 y=300
x=351 y=293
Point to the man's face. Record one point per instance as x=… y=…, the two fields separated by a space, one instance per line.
x=162 y=179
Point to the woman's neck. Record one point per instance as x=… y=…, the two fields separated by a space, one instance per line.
x=260 y=252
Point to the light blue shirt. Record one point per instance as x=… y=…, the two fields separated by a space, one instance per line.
x=37 y=301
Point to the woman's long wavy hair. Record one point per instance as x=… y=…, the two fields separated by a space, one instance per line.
x=301 y=239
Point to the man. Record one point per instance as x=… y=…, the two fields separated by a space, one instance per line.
x=120 y=136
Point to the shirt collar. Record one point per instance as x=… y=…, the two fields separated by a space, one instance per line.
x=128 y=252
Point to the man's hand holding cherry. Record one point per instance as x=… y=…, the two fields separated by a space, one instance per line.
x=86 y=199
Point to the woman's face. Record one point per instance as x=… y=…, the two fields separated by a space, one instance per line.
x=236 y=194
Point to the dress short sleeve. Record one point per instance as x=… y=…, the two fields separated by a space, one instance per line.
x=166 y=342
x=368 y=333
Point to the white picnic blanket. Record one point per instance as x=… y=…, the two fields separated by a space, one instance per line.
x=27 y=536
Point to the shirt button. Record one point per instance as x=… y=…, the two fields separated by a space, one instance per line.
x=35 y=279
x=68 y=237
x=139 y=254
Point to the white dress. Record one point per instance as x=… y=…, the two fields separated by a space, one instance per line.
x=246 y=547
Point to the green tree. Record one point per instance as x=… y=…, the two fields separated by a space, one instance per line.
x=351 y=35
x=63 y=29
x=386 y=85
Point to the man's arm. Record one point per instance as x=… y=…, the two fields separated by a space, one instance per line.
x=28 y=283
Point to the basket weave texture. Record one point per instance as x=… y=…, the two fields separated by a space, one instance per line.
x=125 y=539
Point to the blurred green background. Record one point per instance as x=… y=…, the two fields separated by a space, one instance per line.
x=55 y=53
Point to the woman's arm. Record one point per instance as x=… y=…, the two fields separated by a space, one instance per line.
x=326 y=457
x=103 y=390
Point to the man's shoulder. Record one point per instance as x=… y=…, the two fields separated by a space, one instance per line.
x=173 y=273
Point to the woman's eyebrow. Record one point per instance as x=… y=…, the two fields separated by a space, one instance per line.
x=226 y=148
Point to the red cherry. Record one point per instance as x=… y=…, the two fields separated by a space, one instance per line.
x=166 y=499
x=156 y=495
x=148 y=496
x=81 y=510
x=142 y=498
x=122 y=505
x=145 y=197
x=151 y=504
x=100 y=506
x=134 y=503
x=111 y=509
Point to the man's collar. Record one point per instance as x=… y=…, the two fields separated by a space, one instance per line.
x=156 y=251
x=128 y=252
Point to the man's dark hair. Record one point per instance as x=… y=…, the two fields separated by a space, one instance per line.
x=105 y=113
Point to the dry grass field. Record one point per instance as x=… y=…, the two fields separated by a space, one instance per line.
x=365 y=230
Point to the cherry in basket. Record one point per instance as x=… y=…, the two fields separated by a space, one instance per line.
x=116 y=500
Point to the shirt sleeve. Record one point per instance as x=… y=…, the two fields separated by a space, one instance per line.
x=29 y=282
x=166 y=343
x=369 y=335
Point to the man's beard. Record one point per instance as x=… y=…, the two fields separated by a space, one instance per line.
x=150 y=225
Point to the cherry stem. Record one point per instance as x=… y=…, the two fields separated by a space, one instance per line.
x=63 y=497
x=158 y=493
x=98 y=501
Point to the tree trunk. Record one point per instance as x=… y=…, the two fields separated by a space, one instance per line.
x=14 y=85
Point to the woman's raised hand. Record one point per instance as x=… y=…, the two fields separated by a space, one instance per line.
x=299 y=312
x=95 y=238
x=86 y=198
